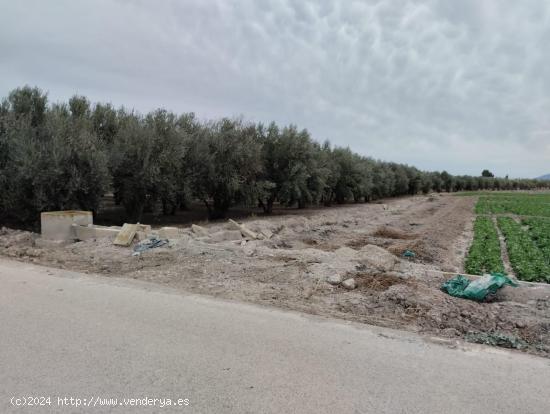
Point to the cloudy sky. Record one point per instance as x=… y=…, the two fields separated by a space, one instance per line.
x=457 y=85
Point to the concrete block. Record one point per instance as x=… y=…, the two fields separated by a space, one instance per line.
x=169 y=232
x=84 y=232
x=144 y=227
x=141 y=235
x=58 y=225
x=126 y=235
x=95 y=232
x=102 y=232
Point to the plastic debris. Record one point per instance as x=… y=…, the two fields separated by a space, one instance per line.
x=151 y=243
x=409 y=253
x=461 y=287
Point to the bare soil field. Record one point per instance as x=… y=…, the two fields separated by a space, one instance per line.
x=290 y=270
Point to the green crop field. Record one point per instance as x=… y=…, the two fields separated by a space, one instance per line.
x=484 y=255
x=525 y=256
x=524 y=221
x=539 y=231
x=521 y=204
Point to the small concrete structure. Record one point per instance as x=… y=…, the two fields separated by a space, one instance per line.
x=63 y=227
x=58 y=225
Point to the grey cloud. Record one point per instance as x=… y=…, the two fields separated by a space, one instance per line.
x=438 y=84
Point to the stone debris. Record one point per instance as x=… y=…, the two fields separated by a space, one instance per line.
x=377 y=257
x=349 y=284
x=245 y=231
x=268 y=234
x=199 y=230
x=334 y=279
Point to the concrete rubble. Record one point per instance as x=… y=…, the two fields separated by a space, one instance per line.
x=255 y=238
x=245 y=231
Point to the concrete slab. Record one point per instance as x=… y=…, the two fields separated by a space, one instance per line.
x=126 y=235
x=95 y=232
x=169 y=233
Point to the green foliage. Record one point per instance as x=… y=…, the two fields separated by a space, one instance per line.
x=58 y=164
x=484 y=254
x=29 y=103
x=105 y=122
x=224 y=162
x=448 y=181
x=527 y=259
x=513 y=203
x=146 y=160
x=288 y=167
x=539 y=231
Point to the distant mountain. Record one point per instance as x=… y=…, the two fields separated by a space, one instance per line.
x=544 y=177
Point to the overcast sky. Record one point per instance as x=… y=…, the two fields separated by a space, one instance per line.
x=456 y=85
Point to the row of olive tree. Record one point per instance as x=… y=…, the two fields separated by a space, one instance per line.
x=66 y=156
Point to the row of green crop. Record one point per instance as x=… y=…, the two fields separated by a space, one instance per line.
x=484 y=254
x=520 y=204
x=528 y=260
x=539 y=231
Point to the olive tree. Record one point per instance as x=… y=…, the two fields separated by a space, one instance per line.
x=288 y=164
x=57 y=164
x=224 y=162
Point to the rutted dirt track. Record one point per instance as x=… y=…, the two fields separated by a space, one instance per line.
x=290 y=269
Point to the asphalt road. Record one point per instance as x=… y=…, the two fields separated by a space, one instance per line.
x=65 y=334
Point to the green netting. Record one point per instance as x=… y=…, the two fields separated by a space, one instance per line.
x=461 y=287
